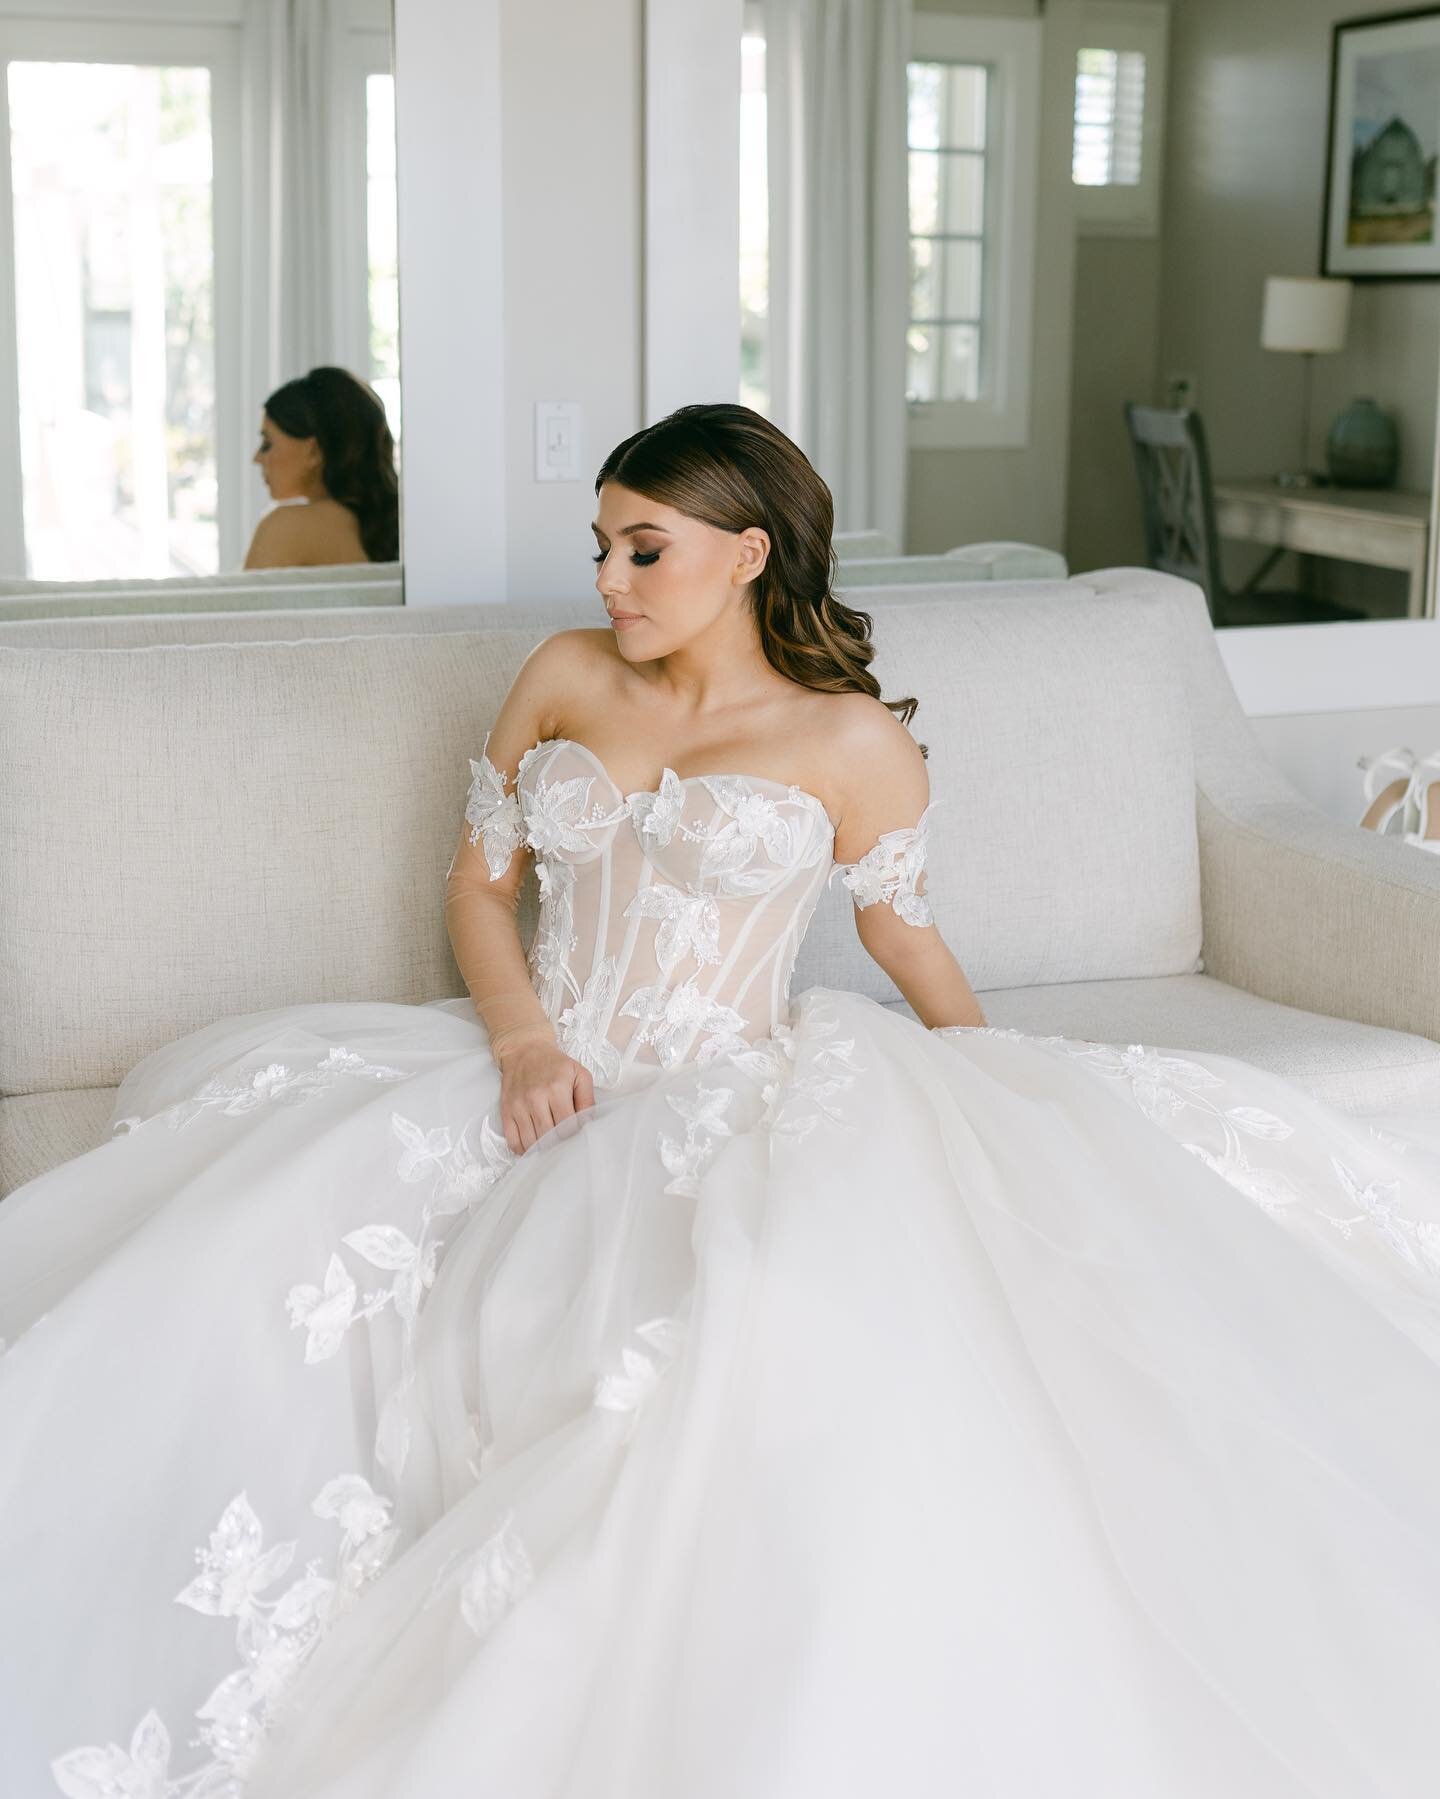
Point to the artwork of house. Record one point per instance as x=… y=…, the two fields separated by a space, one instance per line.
x=1391 y=174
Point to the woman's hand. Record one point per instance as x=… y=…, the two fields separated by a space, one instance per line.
x=539 y=1085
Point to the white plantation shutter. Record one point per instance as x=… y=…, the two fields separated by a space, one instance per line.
x=1119 y=107
x=1109 y=118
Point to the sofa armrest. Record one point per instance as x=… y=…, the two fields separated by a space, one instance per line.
x=1315 y=914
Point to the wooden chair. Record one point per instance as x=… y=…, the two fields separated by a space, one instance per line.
x=1178 y=503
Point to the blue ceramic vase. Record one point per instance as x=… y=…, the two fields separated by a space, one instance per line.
x=1363 y=447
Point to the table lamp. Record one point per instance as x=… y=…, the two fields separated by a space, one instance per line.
x=1308 y=316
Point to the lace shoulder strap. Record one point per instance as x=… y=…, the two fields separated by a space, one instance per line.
x=492 y=814
x=889 y=872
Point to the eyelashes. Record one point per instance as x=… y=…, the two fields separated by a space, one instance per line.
x=637 y=558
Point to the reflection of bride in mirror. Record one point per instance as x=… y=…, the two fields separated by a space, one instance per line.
x=328 y=459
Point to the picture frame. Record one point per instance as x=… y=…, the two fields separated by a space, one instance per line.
x=1383 y=140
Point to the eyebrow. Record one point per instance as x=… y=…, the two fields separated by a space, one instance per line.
x=630 y=530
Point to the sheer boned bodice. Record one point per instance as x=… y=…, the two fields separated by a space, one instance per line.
x=669 y=920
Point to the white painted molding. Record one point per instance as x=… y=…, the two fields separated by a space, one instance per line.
x=452 y=325
x=692 y=204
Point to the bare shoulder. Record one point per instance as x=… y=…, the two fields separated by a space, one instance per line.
x=876 y=774
x=573 y=660
x=562 y=668
x=321 y=533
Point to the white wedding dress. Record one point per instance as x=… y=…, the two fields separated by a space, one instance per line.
x=837 y=1409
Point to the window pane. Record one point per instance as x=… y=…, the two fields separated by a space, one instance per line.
x=964 y=207
x=114 y=257
x=960 y=289
x=380 y=236
x=924 y=288
x=966 y=85
x=924 y=191
x=924 y=126
x=960 y=362
x=754 y=228
x=922 y=347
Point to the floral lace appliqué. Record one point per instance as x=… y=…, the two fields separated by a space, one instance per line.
x=275 y=1083
x=670 y=1017
x=493 y=815
x=889 y=872
x=640 y=1374
x=690 y=924
x=275 y=1635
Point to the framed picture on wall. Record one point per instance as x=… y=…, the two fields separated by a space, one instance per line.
x=1379 y=221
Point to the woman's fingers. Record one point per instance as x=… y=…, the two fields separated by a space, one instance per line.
x=526 y=1119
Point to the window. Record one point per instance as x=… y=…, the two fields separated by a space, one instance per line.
x=112 y=214
x=381 y=246
x=973 y=120
x=754 y=217
x=946 y=140
x=1118 y=108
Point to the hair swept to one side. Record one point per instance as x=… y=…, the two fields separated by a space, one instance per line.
x=728 y=466
x=347 y=419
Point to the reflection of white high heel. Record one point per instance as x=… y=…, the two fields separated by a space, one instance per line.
x=1397 y=799
x=1423 y=799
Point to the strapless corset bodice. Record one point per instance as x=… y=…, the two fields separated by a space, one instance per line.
x=669 y=920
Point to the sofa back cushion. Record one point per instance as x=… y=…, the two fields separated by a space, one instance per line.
x=196 y=831
x=1062 y=772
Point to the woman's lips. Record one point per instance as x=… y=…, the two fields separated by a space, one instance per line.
x=622 y=621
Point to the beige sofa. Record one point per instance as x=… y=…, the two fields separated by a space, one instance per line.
x=210 y=828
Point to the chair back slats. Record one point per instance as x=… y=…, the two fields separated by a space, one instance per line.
x=1177 y=500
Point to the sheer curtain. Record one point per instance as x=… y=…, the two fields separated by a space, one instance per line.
x=839 y=246
x=307 y=258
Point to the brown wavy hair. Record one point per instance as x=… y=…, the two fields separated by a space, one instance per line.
x=347 y=418
x=729 y=467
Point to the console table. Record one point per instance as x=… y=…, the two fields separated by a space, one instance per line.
x=1378 y=526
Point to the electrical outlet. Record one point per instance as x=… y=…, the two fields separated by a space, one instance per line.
x=1180 y=390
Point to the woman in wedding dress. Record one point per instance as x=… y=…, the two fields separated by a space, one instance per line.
x=634 y=1382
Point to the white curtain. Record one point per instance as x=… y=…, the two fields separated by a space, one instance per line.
x=835 y=83
x=307 y=257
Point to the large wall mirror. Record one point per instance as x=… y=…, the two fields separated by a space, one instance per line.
x=195 y=215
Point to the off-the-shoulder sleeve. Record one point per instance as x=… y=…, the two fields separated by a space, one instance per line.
x=888 y=873
x=493 y=815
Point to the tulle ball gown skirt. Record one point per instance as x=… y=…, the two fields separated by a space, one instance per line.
x=981 y=1416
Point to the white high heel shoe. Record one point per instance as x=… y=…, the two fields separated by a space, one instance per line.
x=1423 y=800
x=1397 y=801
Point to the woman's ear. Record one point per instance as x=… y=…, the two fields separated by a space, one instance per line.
x=752 y=552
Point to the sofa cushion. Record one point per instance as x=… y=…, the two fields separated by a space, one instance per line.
x=192 y=831
x=1062 y=773
x=1355 y=1067
x=196 y=831
x=38 y=1131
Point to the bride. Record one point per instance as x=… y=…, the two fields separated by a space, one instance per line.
x=635 y=1380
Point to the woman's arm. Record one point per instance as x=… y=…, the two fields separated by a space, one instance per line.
x=881 y=840
x=540 y=1084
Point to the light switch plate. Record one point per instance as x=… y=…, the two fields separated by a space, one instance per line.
x=557 y=440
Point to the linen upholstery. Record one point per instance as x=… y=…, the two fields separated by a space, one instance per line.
x=1298 y=907
x=300 y=852
x=41 y=1130
x=1274 y=990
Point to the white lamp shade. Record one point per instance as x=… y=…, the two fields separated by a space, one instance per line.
x=1304 y=313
